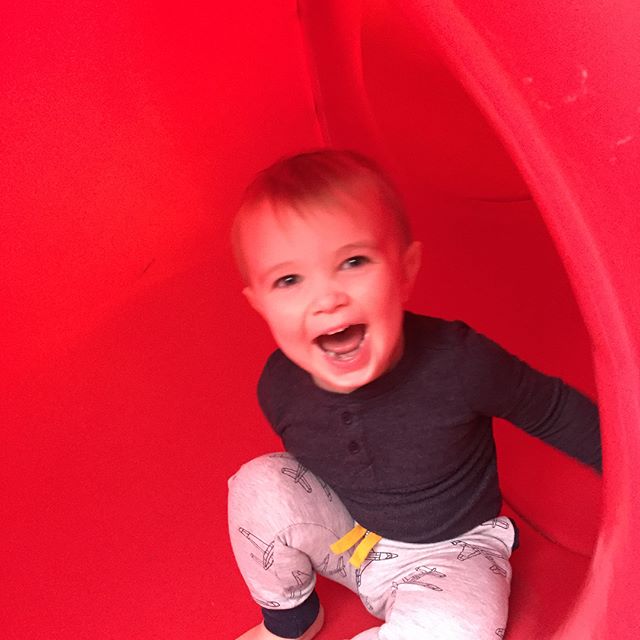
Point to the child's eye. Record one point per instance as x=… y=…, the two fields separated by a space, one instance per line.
x=286 y=281
x=355 y=261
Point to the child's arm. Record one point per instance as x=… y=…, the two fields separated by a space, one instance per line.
x=497 y=383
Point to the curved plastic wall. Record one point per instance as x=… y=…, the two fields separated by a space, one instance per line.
x=129 y=357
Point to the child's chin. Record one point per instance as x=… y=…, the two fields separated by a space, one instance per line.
x=344 y=383
x=335 y=388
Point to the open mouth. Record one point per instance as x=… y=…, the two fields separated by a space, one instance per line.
x=343 y=344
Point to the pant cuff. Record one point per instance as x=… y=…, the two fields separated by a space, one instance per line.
x=292 y=623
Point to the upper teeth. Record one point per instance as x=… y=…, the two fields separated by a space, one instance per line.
x=333 y=333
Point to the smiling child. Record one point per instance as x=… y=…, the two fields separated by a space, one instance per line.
x=388 y=484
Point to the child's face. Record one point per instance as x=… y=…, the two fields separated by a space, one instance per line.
x=332 y=287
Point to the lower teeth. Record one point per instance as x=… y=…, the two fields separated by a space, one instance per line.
x=342 y=356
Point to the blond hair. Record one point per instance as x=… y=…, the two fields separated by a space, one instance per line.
x=327 y=177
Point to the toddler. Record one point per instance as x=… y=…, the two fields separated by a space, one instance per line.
x=388 y=484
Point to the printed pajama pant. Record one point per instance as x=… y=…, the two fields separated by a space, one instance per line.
x=282 y=520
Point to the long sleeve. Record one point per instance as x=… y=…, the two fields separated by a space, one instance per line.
x=497 y=383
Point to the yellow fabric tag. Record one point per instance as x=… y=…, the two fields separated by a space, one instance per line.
x=362 y=550
x=348 y=540
x=351 y=538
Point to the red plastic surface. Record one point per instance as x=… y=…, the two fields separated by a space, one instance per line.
x=129 y=357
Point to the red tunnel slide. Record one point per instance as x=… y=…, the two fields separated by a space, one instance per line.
x=129 y=357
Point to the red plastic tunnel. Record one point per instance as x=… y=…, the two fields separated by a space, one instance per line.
x=129 y=357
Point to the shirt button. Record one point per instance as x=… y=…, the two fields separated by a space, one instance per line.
x=353 y=447
x=347 y=417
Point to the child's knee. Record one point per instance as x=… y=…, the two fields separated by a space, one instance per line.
x=256 y=467
x=250 y=475
x=259 y=479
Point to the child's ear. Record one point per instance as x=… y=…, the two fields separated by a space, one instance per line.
x=250 y=295
x=412 y=260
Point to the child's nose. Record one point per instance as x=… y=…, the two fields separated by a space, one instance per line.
x=330 y=301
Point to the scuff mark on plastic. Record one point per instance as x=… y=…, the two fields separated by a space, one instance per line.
x=624 y=140
x=147 y=268
x=573 y=97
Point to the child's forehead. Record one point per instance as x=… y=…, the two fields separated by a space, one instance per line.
x=279 y=217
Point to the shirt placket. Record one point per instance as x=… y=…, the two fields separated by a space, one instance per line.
x=351 y=425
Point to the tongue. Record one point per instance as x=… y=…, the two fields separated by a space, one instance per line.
x=343 y=342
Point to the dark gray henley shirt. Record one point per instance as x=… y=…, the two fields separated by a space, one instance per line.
x=412 y=454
